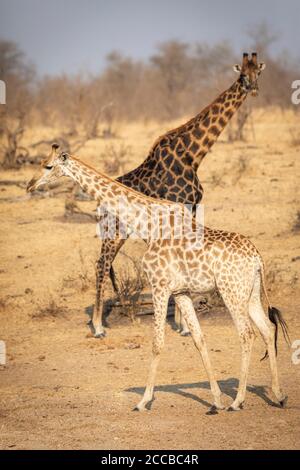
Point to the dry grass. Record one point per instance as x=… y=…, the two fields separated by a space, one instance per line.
x=295 y=137
x=296 y=223
x=3 y=304
x=51 y=310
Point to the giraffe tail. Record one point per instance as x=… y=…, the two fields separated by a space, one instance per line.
x=275 y=316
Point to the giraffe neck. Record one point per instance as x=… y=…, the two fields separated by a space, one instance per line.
x=137 y=209
x=198 y=135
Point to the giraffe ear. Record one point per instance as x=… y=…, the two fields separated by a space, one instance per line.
x=262 y=66
x=237 y=68
x=64 y=156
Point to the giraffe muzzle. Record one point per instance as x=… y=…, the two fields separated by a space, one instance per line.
x=31 y=186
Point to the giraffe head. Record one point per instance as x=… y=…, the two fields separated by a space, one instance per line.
x=52 y=168
x=249 y=72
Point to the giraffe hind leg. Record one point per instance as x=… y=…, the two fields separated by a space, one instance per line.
x=237 y=305
x=267 y=331
x=246 y=336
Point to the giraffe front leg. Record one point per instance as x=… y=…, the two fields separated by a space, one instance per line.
x=109 y=250
x=235 y=294
x=160 y=302
x=96 y=322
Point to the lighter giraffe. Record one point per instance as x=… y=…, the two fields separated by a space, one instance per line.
x=170 y=170
x=180 y=266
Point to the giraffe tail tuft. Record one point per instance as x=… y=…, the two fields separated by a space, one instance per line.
x=275 y=315
x=276 y=318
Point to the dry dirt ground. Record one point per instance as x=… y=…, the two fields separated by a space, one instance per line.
x=63 y=389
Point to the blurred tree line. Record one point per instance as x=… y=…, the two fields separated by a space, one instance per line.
x=178 y=80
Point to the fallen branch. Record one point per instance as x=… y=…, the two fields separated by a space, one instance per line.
x=20 y=184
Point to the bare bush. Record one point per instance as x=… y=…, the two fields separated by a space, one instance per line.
x=295 y=137
x=281 y=70
x=239 y=169
x=115 y=158
x=130 y=286
x=19 y=76
x=3 y=304
x=84 y=276
x=237 y=127
x=13 y=153
x=296 y=223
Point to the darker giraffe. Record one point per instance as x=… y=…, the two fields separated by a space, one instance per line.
x=170 y=170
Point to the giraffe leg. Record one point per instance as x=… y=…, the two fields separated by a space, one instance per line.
x=187 y=308
x=160 y=302
x=109 y=250
x=267 y=330
x=246 y=335
x=236 y=299
x=182 y=327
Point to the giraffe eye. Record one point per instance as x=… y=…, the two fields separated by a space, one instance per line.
x=49 y=167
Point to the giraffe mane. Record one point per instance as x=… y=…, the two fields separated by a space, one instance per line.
x=126 y=188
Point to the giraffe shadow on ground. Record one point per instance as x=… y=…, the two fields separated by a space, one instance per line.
x=108 y=307
x=228 y=387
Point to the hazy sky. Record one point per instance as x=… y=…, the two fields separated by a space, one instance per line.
x=72 y=35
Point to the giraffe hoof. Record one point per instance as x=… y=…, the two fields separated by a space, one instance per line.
x=212 y=411
x=144 y=406
x=231 y=408
x=185 y=333
x=283 y=402
x=100 y=335
x=137 y=408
